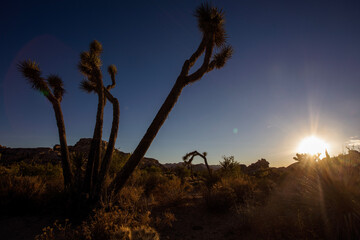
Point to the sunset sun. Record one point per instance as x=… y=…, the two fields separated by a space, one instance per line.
x=313 y=145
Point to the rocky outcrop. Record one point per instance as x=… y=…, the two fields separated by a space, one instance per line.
x=12 y=155
x=42 y=155
x=149 y=162
x=83 y=146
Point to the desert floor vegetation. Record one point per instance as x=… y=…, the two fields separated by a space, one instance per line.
x=310 y=199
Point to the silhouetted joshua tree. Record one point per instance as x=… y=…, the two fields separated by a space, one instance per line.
x=31 y=71
x=89 y=66
x=189 y=157
x=211 y=24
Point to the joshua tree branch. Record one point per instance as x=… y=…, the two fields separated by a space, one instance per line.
x=204 y=67
x=110 y=148
x=65 y=156
x=198 y=52
x=95 y=147
x=149 y=136
x=194 y=154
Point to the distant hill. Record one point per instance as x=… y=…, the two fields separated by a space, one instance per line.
x=43 y=154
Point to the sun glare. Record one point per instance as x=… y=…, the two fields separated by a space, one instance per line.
x=313 y=145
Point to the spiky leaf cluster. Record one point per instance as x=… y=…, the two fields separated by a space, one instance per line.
x=31 y=71
x=57 y=86
x=90 y=62
x=211 y=22
x=221 y=58
x=95 y=47
x=112 y=70
x=89 y=87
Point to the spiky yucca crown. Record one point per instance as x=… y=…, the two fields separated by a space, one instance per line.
x=220 y=58
x=31 y=71
x=112 y=70
x=211 y=21
x=90 y=60
x=57 y=85
x=89 y=65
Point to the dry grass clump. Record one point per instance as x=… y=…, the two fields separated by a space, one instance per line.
x=105 y=225
x=318 y=201
x=228 y=193
x=21 y=194
x=171 y=192
x=219 y=198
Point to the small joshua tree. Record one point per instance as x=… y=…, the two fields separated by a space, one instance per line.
x=189 y=157
x=52 y=88
x=211 y=24
x=96 y=170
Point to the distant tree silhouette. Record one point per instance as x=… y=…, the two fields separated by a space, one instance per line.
x=229 y=164
x=211 y=24
x=259 y=164
x=53 y=89
x=189 y=157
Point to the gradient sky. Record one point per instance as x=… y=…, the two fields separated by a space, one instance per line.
x=295 y=72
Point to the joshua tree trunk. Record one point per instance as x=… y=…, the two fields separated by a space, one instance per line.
x=89 y=65
x=207 y=165
x=149 y=136
x=52 y=88
x=211 y=24
x=65 y=157
x=95 y=147
x=110 y=147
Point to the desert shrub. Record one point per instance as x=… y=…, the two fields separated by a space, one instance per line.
x=242 y=187
x=4 y=171
x=165 y=220
x=171 y=192
x=117 y=162
x=219 y=198
x=144 y=233
x=21 y=194
x=32 y=169
x=46 y=170
x=230 y=167
x=320 y=199
x=149 y=180
x=103 y=225
x=182 y=172
x=229 y=193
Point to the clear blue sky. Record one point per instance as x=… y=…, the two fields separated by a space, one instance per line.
x=295 y=72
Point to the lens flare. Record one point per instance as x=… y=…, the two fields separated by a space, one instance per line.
x=313 y=145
